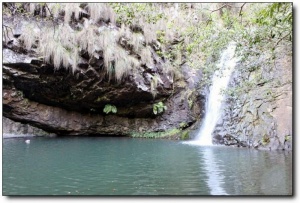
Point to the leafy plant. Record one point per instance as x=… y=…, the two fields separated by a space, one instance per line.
x=154 y=135
x=287 y=138
x=265 y=140
x=183 y=125
x=185 y=135
x=190 y=102
x=159 y=108
x=110 y=109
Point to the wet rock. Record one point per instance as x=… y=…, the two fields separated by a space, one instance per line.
x=192 y=76
x=264 y=110
x=16 y=129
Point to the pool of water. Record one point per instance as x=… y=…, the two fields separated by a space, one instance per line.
x=125 y=166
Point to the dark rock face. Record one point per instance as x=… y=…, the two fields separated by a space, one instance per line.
x=83 y=92
x=262 y=117
x=60 y=103
x=16 y=129
x=66 y=103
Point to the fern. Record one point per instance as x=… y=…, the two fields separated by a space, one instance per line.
x=158 y=108
x=110 y=109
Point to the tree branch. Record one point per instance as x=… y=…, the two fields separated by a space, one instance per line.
x=52 y=17
x=211 y=11
x=219 y=8
x=282 y=38
x=49 y=10
x=240 y=14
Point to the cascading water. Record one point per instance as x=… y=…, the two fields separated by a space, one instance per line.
x=213 y=105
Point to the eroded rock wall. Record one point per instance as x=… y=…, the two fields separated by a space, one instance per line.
x=17 y=129
x=66 y=103
x=260 y=117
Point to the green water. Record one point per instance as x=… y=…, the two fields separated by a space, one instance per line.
x=124 y=166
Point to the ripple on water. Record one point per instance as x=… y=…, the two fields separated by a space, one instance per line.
x=90 y=166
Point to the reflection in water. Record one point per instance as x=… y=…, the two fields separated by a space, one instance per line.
x=236 y=171
x=214 y=172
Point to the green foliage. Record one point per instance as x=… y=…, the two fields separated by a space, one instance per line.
x=265 y=140
x=275 y=14
x=158 y=108
x=190 y=102
x=287 y=138
x=110 y=109
x=261 y=29
x=15 y=8
x=184 y=135
x=175 y=133
x=130 y=14
x=155 y=135
x=277 y=20
x=161 y=36
x=183 y=125
x=170 y=29
x=205 y=43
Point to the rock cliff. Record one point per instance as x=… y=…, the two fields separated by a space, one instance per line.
x=71 y=103
x=262 y=116
x=69 y=69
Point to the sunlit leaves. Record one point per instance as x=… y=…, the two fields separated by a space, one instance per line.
x=159 y=108
x=110 y=109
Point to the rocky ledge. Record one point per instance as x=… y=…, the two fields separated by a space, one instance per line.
x=66 y=103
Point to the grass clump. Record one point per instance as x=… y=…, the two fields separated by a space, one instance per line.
x=101 y=11
x=123 y=49
x=30 y=38
x=155 y=135
x=184 y=135
x=159 y=107
x=265 y=140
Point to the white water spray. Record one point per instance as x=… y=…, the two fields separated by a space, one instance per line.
x=213 y=105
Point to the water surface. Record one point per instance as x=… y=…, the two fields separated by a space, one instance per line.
x=124 y=166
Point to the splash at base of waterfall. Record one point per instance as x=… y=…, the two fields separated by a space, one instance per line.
x=214 y=101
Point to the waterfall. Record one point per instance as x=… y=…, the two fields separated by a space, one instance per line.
x=214 y=101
